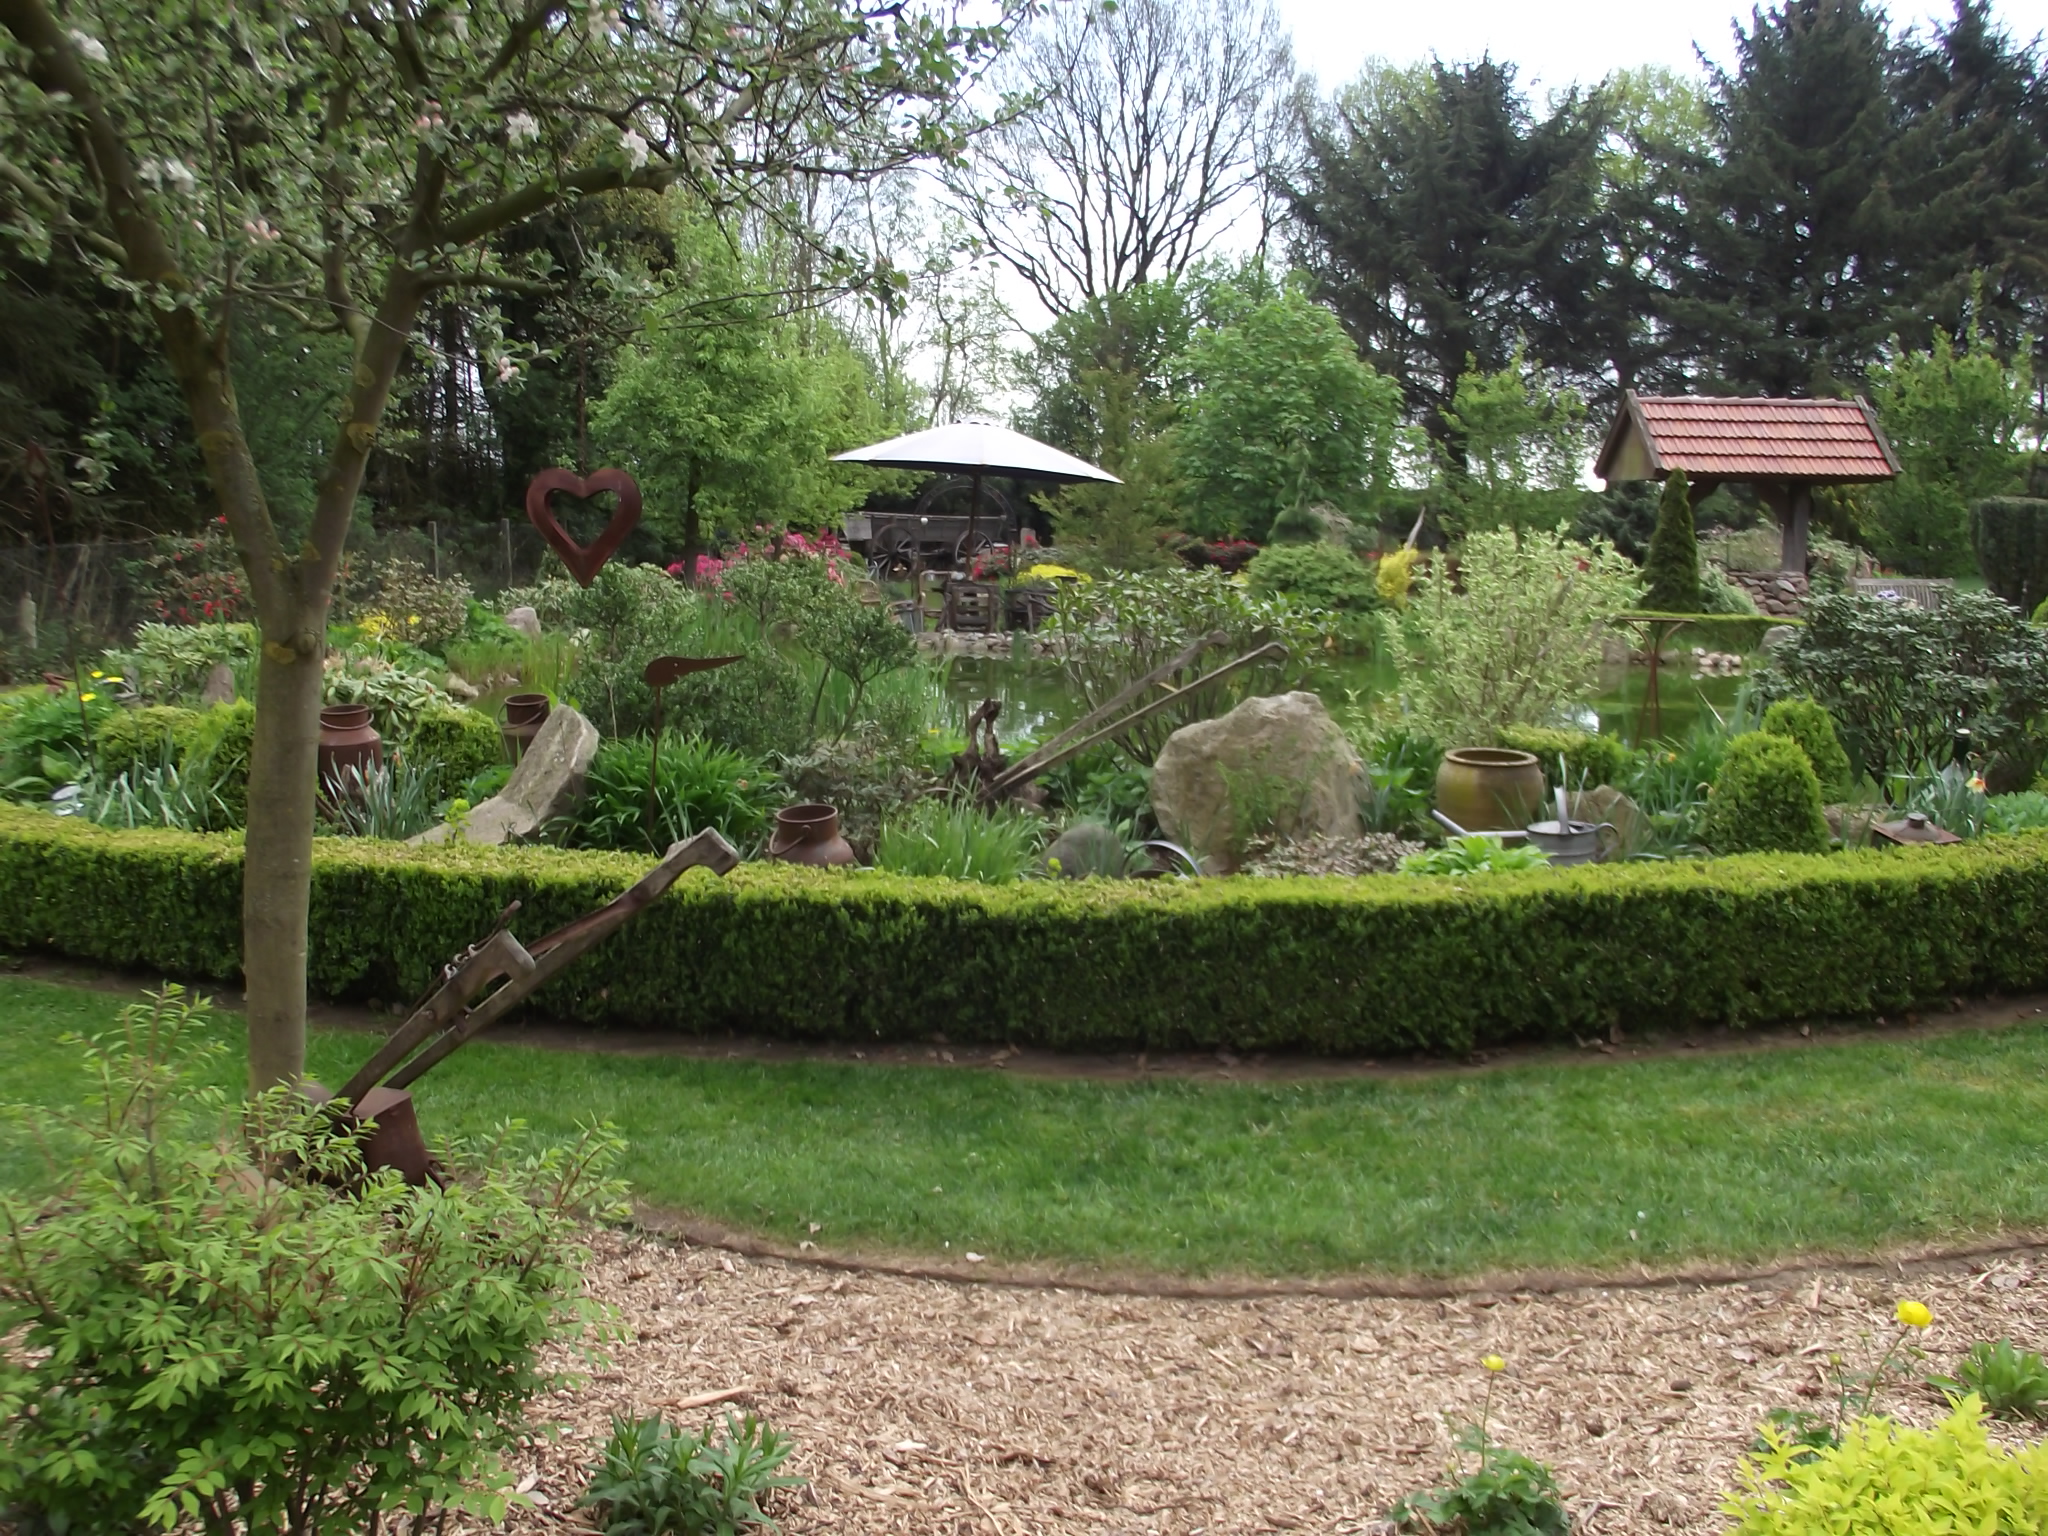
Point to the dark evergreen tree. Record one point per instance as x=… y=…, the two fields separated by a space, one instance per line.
x=1445 y=222
x=1672 y=570
x=1792 y=279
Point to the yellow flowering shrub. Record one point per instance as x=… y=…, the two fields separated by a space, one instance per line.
x=1396 y=573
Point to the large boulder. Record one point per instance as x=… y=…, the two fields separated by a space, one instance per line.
x=547 y=783
x=1273 y=765
x=526 y=621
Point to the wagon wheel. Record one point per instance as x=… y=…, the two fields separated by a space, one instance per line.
x=894 y=557
x=972 y=547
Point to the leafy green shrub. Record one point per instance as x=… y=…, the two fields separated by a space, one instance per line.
x=1399 y=785
x=1720 y=595
x=2010 y=534
x=399 y=692
x=452 y=746
x=1892 y=1479
x=1672 y=568
x=1805 y=722
x=212 y=1335
x=960 y=841
x=2012 y=1383
x=1513 y=637
x=1505 y=1494
x=416 y=606
x=131 y=737
x=1475 y=855
x=1766 y=799
x=171 y=661
x=46 y=740
x=392 y=800
x=1348 y=966
x=1899 y=681
x=157 y=793
x=1319 y=575
x=2022 y=812
x=654 y=1479
x=700 y=785
x=1589 y=760
x=868 y=778
x=219 y=748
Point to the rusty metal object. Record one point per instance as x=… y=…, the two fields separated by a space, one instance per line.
x=583 y=563
x=373 y=1103
x=658 y=674
x=1091 y=727
x=1917 y=827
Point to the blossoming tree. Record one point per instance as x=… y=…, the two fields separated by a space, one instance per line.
x=347 y=161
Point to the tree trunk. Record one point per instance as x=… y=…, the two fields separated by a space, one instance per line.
x=277 y=867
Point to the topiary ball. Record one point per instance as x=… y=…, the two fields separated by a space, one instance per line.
x=132 y=738
x=1809 y=724
x=1766 y=799
x=452 y=746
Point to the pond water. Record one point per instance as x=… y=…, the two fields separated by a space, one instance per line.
x=1037 y=701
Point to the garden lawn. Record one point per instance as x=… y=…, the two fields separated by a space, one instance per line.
x=1846 y=1148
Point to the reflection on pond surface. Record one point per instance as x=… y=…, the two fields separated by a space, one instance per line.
x=1037 y=700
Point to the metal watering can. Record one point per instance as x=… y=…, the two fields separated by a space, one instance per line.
x=1572 y=842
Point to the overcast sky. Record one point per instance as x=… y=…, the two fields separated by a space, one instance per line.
x=1553 y=43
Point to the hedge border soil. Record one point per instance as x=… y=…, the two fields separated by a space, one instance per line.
x=924 y=1408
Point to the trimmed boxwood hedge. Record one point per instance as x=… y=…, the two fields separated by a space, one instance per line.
x=1330 y=965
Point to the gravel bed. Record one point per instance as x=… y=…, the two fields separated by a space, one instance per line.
x=924 y=1406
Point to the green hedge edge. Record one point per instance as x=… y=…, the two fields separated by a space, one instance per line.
x=1322 y=965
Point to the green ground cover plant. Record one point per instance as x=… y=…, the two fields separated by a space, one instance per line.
x=1324 y=965
x=1847 y=1148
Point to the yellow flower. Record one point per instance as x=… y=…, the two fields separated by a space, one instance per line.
x=87 y=698
x=1977 y=783
x=1494 y=1363
x=1914 y=1314
x=99 y=674
x=1049 y=572
x=414 y=619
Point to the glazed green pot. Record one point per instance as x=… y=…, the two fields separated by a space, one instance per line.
x=1489 y=789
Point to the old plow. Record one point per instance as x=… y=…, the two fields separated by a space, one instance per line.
x=475 y=990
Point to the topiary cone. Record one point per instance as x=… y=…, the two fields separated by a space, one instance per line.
x=1673 y=566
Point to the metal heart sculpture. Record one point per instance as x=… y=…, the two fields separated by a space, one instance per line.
x=584 y=563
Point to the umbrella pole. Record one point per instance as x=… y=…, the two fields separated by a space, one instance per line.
x=973 y=517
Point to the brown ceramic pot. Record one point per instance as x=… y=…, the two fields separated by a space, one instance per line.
x=1489 y=789
x=347 y=740
x=525 y=714
x=809 y=834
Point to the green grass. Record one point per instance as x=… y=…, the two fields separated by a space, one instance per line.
x=1849 y=1148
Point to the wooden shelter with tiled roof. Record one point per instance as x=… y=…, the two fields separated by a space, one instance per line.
x=1784 y=448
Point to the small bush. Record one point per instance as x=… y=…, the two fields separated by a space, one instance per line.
x=451 y=746
x=959 y=840
x=208 y=1335
x=2013 y=1383
x=145 y=736
x=2011 y=538
x=656 y=1480
x=1892 y=1479
x=1767 y=799
x=1810 y=725
x=219 y=747
x=1672 y=568
x=2022 y=812
x=1395 y=574
x=46 y=741
x=1475 y=855
x=700 y=786
x=1589 y=760
x=1320 y=575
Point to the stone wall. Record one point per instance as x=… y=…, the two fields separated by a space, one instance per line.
x=1781 y=594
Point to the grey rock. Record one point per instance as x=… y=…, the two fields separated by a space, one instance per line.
x=220 y=686
x=547 y=783
x=1777 y=635
x=1086 y=848
x=1606 y=803
x=1280 y=763
x=526 y=621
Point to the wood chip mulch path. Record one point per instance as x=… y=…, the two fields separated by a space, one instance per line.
x=923 y=1406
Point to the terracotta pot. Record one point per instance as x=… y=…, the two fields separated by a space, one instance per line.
x=1489 y=789
x=809 y=834
x=525 y=714
x=347 y=740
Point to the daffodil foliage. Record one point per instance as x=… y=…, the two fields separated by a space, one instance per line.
x=347 y=164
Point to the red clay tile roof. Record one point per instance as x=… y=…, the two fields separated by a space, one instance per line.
x=1754 y=438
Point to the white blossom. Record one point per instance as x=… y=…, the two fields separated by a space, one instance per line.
x=522 y=128
x=507 y=369
x=635 y=147
x=177 y=173
x=88 y=46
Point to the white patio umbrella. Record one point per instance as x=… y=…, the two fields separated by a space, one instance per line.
x=977 y=447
